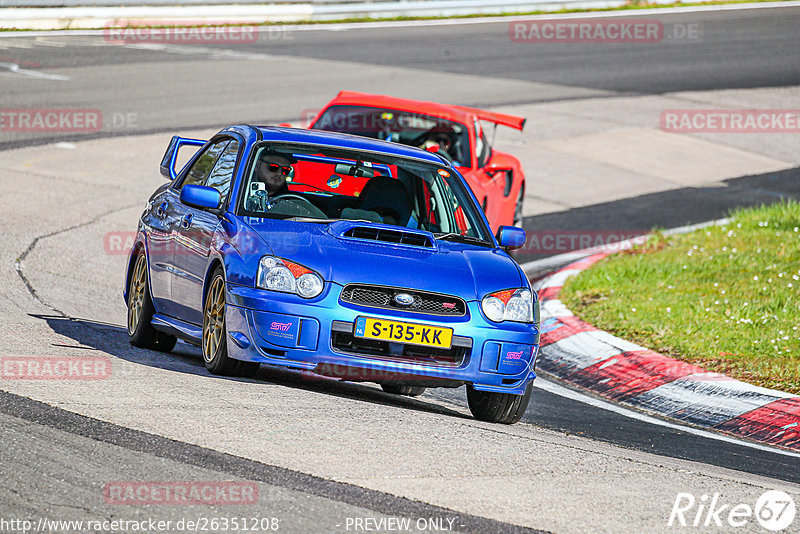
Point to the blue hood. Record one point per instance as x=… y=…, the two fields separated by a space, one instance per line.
x=468 y=271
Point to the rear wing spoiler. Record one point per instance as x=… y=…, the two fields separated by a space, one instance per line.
x=168 y=161
x=518 y=123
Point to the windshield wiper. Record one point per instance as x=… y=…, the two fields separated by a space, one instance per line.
x=463 y=238
x=325 y=221
x=310 y=219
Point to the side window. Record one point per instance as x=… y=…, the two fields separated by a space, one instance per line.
x=222 y=174
x=482 y=149
x=202 y=167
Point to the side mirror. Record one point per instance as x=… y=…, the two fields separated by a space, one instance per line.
x=499 y=162
x=168 y=161
x=491 y=170
x=502 y=163
x=200 y=196
x=511 y=237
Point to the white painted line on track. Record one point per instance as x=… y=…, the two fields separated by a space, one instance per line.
x=698 y=226
x=187 y=50
x=561 y=391
x=15 y=69
x=345 y=26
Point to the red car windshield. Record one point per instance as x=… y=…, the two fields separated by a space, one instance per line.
x=406 y=127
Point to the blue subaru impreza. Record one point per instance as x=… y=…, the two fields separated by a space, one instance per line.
x=339 y=255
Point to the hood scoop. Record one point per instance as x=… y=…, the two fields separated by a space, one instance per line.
x=384 y=234
x=389 y=236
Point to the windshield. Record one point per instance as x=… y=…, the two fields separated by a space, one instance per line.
x=325 y=184
x=405 y=127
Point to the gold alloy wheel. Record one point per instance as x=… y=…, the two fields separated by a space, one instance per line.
x=214 y=319
x=137 y=294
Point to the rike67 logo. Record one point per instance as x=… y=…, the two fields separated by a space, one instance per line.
x=774 y=510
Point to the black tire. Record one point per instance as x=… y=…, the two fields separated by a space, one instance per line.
x=518 y=217
x=140 y=312
x=502 y=408
x=215 y=343
x=403 y=389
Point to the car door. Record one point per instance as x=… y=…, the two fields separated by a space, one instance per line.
x=160 y=220
x=196 y=229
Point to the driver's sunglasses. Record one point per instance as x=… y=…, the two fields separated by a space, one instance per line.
x=273 y=167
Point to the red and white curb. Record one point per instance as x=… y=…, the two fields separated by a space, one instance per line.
x=582 y=355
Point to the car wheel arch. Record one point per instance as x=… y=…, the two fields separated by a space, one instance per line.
x=138 y=248
x=212 y=268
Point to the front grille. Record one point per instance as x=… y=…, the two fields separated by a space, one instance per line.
x=346 y=342
x=424 y=302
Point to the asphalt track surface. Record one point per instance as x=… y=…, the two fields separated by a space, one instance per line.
x=726 y=50
x=723 y=51
x=757 y=48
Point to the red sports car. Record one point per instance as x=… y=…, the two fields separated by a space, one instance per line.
x=455 y=132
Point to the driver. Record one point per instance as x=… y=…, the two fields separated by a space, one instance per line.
x=441 y=137
x=269 y=179
x=272 y=169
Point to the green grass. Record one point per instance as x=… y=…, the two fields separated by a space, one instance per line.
x=726 y=298
x=631 y=5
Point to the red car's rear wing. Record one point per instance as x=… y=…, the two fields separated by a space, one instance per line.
x=358 y=98
x=518 y=123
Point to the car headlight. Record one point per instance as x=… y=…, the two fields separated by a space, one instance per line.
x=509 y=305
x=282 y=275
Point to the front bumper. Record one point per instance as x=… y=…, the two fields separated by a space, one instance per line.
x=317 y=335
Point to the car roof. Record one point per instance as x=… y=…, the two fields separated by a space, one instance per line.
x=454 y=113
x=349 y=141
